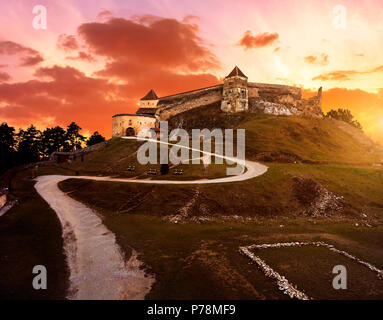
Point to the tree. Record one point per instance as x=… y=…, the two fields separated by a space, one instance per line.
x=94 y=139
x=344 y=115
x=7 y=147
x=29 y=145
x=74 y=138
x=53 y=139
x=357 y=124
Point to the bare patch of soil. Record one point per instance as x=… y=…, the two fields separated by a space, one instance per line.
x=222 y=272
x=316 y=200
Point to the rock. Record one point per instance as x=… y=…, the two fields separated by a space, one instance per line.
x=316 y=199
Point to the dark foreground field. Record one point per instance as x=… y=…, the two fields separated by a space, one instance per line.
x=197 y=260
x=202 y=261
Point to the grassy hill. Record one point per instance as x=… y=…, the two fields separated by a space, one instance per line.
x=308 y=159
x=310 y=140
x=288 y=138
x=280 y=139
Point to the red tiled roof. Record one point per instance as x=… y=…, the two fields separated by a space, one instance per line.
x=151 y=95
x=236 y=72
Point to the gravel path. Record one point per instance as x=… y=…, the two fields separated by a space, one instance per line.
x=97 y=266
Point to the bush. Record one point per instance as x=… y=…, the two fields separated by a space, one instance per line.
x=344 y=115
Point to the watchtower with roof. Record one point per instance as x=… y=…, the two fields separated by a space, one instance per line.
x=150 y=100
x=235 y=96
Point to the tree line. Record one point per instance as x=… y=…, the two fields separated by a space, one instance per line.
x=32 y=145
x=344 y=115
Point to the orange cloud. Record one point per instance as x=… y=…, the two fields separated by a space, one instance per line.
x=67 y=42
x=248 y=41
x=176 y=44
x=63 y=94
x=104 y=14
x=4 y=77
x=180 y=61
x=59 y=95
x=321 y=59
x=81 y=55
x=345 y=75
x=29 y=57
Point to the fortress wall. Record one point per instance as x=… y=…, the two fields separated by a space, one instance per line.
x=173 y=105
x=272 y=91
x=266 y=98
x=121 y=122
x=311 y=107
x=193 y=93
x=283 y=100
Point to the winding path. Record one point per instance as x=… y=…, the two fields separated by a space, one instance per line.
x=97 y=266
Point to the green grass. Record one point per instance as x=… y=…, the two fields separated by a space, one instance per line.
x=310 y=269
x=201 y=261
x=115 y=158
x=308 y=140
x=181 y=255
x=268 y=195
x=268 y=138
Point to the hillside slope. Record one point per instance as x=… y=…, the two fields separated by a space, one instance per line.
x=287 y=138
x=333 y=159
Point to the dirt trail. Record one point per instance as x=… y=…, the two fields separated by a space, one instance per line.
x=97 y=266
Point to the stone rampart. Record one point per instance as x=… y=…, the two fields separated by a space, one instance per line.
x=172 y=105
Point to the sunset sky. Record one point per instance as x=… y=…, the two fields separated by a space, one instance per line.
x=96 y=58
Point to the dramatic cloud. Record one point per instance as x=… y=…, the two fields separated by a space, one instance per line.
x=150 y=41
x=345 y=75
x=152 y=52
x=321 y=59
x=149 y=52
x=104 y=14
x=248 y=41
x=67 y=42
x=29 y=57
x=81 y=55
x=4 y=76
x=63 y=94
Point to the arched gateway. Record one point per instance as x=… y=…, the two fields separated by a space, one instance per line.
x=130 y=132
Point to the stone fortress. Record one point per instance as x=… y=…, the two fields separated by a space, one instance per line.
x=236 y=94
